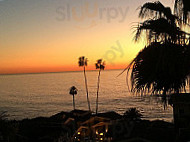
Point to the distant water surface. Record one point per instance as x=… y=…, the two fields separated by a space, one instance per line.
x=32 y=95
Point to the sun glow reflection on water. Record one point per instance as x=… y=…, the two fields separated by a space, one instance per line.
x=32 y=95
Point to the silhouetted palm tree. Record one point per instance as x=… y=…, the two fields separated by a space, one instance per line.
x=99 y=65
x=132 y=114
x=161 y=25
x=73 y=92
x=156 y=10
x=160 y=30
x=83 y=62
x=164 y=64
x=160 y=68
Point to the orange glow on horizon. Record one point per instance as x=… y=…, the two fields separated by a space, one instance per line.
x=35 y=41
x=22 y=70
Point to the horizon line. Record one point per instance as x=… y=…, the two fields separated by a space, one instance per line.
x=54 y=72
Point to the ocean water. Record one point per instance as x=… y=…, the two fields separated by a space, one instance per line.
x=33 y=95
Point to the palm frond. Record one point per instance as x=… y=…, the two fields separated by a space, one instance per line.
x=82 y=61
x=149 y=8
x=158 y=29
x=73 y=90
x=100 y=64
x=158 y=10
x=97 y=66
x=160 y=68
x=182 y=10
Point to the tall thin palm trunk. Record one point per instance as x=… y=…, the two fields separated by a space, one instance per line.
x=164 y=99
x=86 y=89
x=98 y=92
x=74 y=101
x=189 y=84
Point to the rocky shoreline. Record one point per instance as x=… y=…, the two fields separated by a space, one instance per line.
x=80 y=125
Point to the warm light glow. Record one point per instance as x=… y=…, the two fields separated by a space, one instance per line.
x=106 y=130
x=96 y=132
x=101 y=134
x=36 y=40
x=78 y=133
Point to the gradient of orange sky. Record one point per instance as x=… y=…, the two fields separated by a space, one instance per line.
x=34 y=37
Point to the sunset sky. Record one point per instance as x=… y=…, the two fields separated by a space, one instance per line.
x=50 y=35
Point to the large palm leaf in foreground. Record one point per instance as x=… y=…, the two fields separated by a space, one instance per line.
x=156 y=10
x=160 y=68
x=161 y=25
x=160 y=30
x=163 y=66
